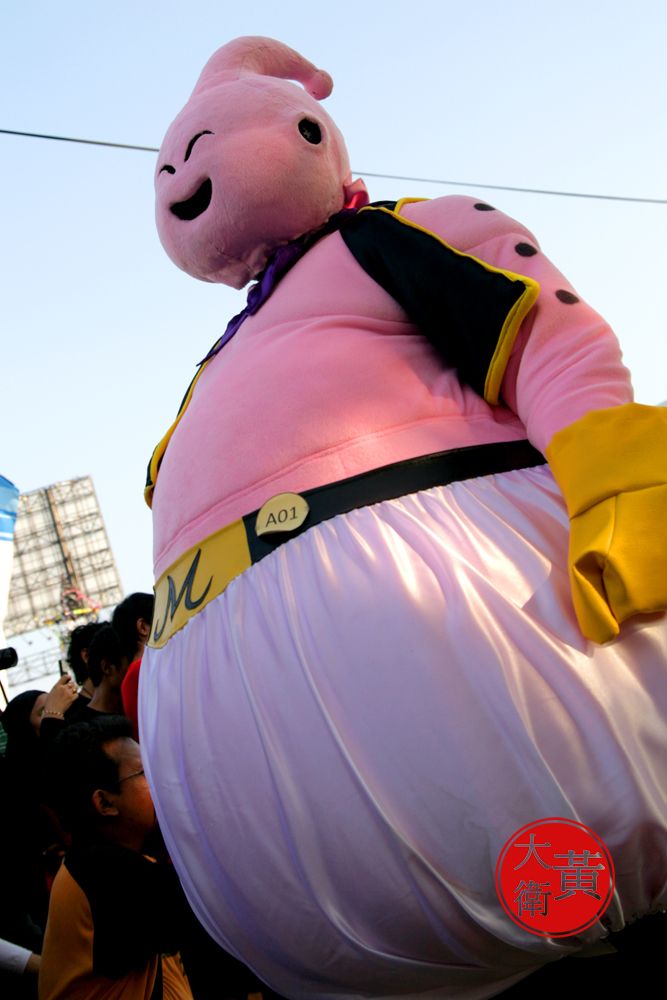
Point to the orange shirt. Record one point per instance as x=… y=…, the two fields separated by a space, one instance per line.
x=66 y=971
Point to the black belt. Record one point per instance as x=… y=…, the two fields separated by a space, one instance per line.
x=396 y=480
x=204 y=571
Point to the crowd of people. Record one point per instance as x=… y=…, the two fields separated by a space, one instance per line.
x=90 y=905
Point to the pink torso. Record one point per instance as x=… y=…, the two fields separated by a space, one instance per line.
x=330 y=379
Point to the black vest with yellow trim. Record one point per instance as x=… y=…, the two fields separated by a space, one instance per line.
x=470 y=311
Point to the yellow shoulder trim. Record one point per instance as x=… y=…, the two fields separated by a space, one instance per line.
x=407 y=201
x=161 y=447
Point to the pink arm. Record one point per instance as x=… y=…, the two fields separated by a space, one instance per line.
x=566 y=360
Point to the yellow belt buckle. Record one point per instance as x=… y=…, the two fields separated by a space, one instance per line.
x=204 y=571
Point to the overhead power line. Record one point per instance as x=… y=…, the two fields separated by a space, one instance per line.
x=366 y=173
x=86 y=142
x=522 y=190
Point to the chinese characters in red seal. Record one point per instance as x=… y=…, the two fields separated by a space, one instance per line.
x=555 y=877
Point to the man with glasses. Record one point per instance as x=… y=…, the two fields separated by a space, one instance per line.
x=117 y=911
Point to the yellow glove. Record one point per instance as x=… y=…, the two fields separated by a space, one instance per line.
x=611 y=466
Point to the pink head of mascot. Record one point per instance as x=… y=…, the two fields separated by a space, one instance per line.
x=250 y=163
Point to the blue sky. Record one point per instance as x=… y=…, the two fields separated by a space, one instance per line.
x=100 y=332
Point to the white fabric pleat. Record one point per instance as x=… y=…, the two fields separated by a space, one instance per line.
x=341 y=743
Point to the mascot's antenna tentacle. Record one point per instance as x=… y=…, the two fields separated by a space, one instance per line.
x=254 y=54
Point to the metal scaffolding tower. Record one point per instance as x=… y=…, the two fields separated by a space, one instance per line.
x=63 y=570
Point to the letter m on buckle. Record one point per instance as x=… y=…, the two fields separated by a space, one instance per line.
x=174 y=600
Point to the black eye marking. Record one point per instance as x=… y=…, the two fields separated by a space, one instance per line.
x=168 y=167
x=310 y=131
x=569 y=298
x=193 y=141
x=525 y=249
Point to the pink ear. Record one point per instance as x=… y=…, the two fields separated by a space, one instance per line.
x=356 y=195
x=256 y=55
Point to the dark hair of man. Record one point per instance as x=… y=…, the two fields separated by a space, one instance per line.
x=124 y=620
x=105 y=645
x=81 y=639
x=78 y=766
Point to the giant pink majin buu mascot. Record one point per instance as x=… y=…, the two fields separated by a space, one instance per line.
x=372 y=658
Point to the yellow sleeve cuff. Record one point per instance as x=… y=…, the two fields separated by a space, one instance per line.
x=612 y=469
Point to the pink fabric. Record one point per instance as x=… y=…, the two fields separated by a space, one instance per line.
x=330 y=379
x=239 y=134
x=256 y=55
x=340 y=744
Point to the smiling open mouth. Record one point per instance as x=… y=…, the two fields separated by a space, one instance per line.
x=194 y=206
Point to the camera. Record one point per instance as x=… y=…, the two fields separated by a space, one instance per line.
x=8 y=658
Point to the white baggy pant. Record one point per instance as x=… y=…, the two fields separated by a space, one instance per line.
x=340 y=744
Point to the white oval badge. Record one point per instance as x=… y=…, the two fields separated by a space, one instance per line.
x=282 y=514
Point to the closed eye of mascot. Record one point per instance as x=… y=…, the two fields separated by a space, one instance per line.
x=410 y=561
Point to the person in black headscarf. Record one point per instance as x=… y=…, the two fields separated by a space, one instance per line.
x=24 y=894
x=31 y=840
